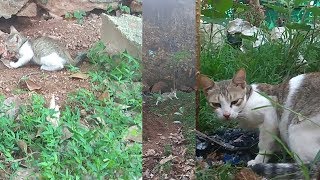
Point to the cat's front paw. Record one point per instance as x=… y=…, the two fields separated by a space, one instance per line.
x=14 y=65
x=252 y=163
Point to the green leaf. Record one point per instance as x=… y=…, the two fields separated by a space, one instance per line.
x=218 y=10
x=299 y=26
x=317 y=158
x=222 y=5
x=237 y=5
x=250 y=38
x=300 y=2
x=314 y=10
x=278 y=8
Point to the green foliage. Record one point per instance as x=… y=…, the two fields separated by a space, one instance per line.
x=109 y=9
x=68 y=15
x=120 y=67
x=79 y=15
x=98 y=147
x=124 y=9
x=273 y=62
x=215 y=9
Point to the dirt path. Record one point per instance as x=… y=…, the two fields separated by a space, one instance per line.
x=76 y=37
x=168 y=151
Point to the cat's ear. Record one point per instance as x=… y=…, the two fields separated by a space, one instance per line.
x=13 y=30
x=205 y=82
x=240 y=78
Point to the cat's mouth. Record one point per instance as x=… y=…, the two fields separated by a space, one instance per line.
x=7 y=55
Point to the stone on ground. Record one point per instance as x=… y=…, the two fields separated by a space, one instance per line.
x=122 y=33
x=8 y=8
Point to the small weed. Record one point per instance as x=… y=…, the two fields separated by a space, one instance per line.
x=109 y=9
x=79 y=15
x=73 y=68
x=68 y=15
x=124 y=9
x=167 y=150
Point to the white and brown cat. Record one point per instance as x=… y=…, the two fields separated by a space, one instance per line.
x=235 y=99
x=50 y=54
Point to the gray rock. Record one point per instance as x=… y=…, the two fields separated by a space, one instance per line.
x=11 y=7
x=61 y=7
x=30 y=10
x=122 y=33
x=11 y=106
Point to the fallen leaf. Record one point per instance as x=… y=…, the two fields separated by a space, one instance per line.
x=79 y=76
x=26 y=173
x=246 y=173
x=13 y=105
x=122 y=106
x=39 y=131
x=159 y=86
x=55 y=117
x=134 y=134
x=167 y=159
x=104 y=96
x=32 y=85
x=150 y=152
x=23 y=146
x=100 y=120
x=66 y=134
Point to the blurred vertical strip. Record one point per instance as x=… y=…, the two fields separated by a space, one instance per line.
x=198 y=49
x=169 y=85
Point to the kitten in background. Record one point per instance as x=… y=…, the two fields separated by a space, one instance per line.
x=44 y=51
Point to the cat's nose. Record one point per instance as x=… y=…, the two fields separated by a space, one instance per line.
x=226 y=115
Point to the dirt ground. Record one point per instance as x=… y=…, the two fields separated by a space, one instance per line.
x=168 y=152
x=76 y=37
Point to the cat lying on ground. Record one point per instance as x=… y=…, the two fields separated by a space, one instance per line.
x=44 y=51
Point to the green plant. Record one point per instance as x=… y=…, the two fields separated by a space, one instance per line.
x=109 y=9
x=124 y=9
x=272 y=62
x=91 y=140
x=68 y=15
x=79 y=15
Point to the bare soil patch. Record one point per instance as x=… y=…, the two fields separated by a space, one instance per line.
x=76 y=37
x=166 y=141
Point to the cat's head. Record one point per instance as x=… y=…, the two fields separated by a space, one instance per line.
x=13 y=41
x=227 y=97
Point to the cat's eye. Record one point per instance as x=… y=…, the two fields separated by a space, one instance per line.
x=236 y=102
x=216 y=105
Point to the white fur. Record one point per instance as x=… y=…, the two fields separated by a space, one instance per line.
x=294 y=84
x=52 y=62
x=252 y=113
x=25 y=54
x=264 y=118
x=225 y=108
x=304 y=139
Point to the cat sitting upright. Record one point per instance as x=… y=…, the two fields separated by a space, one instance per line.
x=44 y=51
x=235 y=99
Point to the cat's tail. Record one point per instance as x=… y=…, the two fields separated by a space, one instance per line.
x=80 y=58
x=286 y=170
